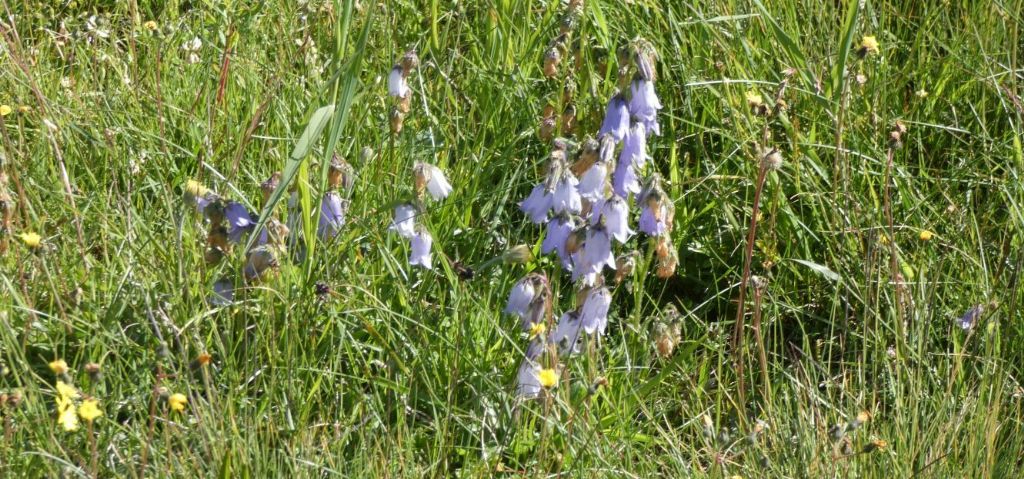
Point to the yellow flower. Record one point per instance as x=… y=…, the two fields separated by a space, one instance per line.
x=537 y=329
x=177 y=401
x=547 y=378
x=33 y=240
x=150 y=25
x=868 y=44
x=24 y=109
x=5 y=110
x=67 y=417
x=58 y=366
x=65 y=393
x=926 y=235
x=89 y=410
x=863 y=416
x=196 y=188
x=754 y=98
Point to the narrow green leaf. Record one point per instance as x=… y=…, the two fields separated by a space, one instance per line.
x=839 y=70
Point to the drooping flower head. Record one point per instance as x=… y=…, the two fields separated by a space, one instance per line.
x=559 y=229
x=537 y=205
x=625 y=180
x=404 y=222
x=522 y=294
x=594 y=311
x=616 y=118
x=644 y=104
x=396 y=83
x=565 y=198
x=657 y=211
x=567 y=334
x=332 y=215
x=431 y=178
x=419 y=251
x=597 y=250
x=634 y=146
x=614 y=214
x=240 y=221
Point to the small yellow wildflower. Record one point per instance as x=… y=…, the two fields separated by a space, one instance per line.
x=67 y=418
x=59 y=366
x=926 y=235
x=875 y=445
x=196 y=188
x=32 y=240
x=868 y=44
x=5 y=110
x=863 y=416
x=537 y=329
x=89 y=410
x=177 y=401
x=65 y=393
x=24 y=109
x=547 y=378
x=150 y=25
x=754 y=98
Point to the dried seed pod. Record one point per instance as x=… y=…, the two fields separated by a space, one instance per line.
x=625 y=265
x=588 y=156
x=259 y=263
x=552 y=58
x=668 y=259
x=569 y=119
x=271 y=184
x=340 y=174
x=410 y=61
x=397 y=118
x=547 y=129
x=404 y=104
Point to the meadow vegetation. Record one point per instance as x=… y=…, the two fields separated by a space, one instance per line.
x=839 y=295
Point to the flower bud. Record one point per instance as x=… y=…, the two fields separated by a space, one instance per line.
x=519 y=254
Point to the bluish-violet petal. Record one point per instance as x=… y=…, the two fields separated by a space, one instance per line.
x=615 y=212
x=558 y=230
x=396 y=83
x=536 y=205
x=520 y=297
x=616 y=118
x=644 y=102
x=332 y=215
x=597 y=250
x=634 y=146
x=404 y=222
x=239 y=220
x=594 y=313
x=438 y=185
x=624 y=180
x=649 y=223
x=527 y=379
x=419 y=253
x=223 y=292
x=594 y=181
x=970 y=318
x=566 y=199
x=567 y=334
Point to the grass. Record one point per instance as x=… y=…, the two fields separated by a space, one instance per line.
x=408 y=372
